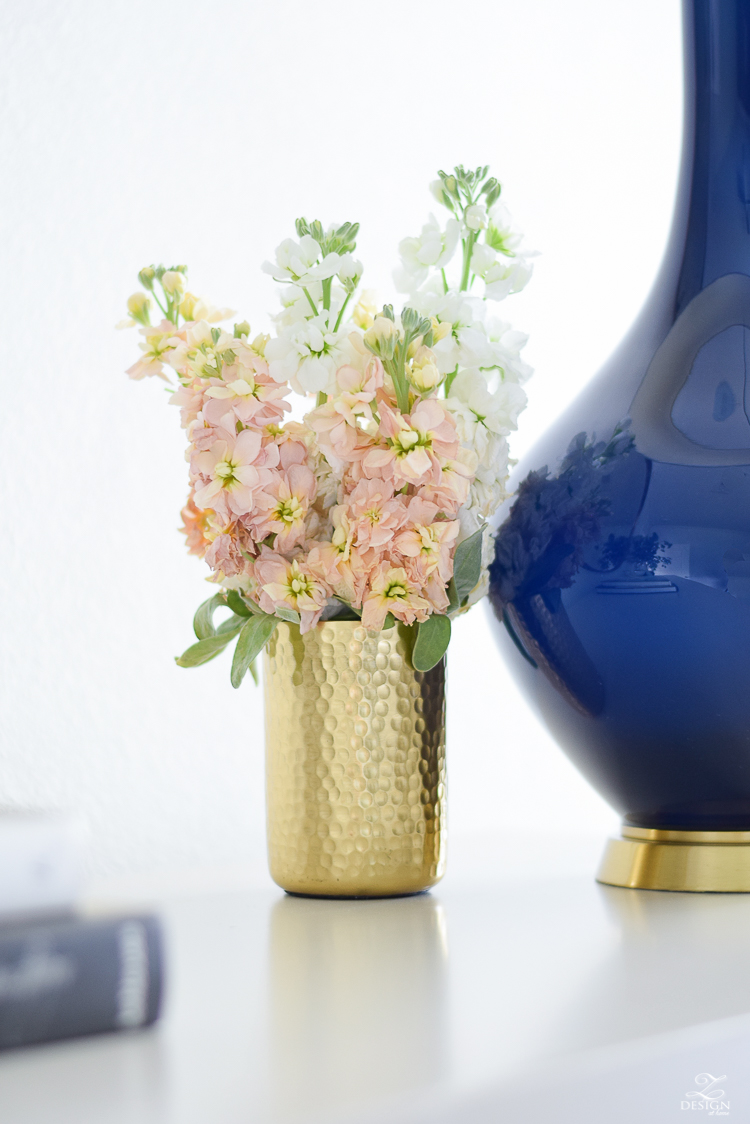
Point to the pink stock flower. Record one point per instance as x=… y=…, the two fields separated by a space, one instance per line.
x=194 y=527
x=392 y=591
x=252 y=397
x=436 y=593
x=415 y=444
x=231 y=474
x=157 y=347
x=224 y=554
x=291 y=585
x=339 y=563
x=358 y=389
x=456 y=476
x=336 y=422
x=190 y=399
x=292 y=494
x=376 y=512
x=427 y=547
x=292 y=452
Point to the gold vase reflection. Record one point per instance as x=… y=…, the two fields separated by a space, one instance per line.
x=357 y=1001
x=355 y=763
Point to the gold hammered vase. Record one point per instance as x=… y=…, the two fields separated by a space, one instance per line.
x=355 y=763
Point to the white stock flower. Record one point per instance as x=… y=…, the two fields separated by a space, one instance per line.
x=306 y=354
x=502 y=232
x=432 y=249
x=296 y=262
x=482 y=258
x=506 y=277
x=295 y=305
x=350 y=269
x=507 y=345
x=480 y=414
x=466 y=345
x=487 y=489
x=475 y=216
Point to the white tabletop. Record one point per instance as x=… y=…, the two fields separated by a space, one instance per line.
x=517 y=989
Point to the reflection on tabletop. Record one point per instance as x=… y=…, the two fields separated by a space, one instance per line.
x=357 y=999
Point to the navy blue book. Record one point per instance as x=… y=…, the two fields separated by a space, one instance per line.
x=69 y=976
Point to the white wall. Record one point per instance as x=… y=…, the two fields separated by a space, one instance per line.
x=156 y=130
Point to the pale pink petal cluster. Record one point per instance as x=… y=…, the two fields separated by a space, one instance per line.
x=359 y=502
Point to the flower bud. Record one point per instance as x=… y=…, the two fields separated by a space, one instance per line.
x=259 y=344
x=365 y=310
x=350 y=269
x=492 y=190
x=382 y=337
x=438 y=191
x=241 y=330
x=173 y=283
x=139 y=305
x=187 y=306
x=146 y=277
x=440 y=329
x=423 y=373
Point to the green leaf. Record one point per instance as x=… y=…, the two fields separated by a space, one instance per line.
x=407 y=634
x=254 y=636
x=389 y=621
x=253 y=669
x=203 y=651
x=230 y=627
x=285 y=614
x=203 y=621
x=236 y=603
x=467 y=565
x=453 y=602
x=433 y=636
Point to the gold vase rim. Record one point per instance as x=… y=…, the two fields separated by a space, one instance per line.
x=663 y=835
x=342 y=624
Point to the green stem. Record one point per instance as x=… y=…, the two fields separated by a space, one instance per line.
x=161 y=306
x=445 y=281
x=341 y=313
x=327 y=293
x=313 y=305
x=400 y=383
x=321 y=399
x=468 y=248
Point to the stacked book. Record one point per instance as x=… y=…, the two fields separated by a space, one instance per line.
x=63 y=974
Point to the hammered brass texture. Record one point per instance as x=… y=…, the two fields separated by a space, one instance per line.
x=688 y=861
x=355 y=763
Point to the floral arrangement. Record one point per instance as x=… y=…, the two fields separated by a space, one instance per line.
x=375 y=504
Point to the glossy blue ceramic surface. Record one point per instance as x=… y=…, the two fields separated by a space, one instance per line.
x=621 y=583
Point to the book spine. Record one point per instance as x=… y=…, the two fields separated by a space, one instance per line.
x=67 y=978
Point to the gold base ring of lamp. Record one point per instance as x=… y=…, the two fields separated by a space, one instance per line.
x=355 y=763
x=700 y=862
